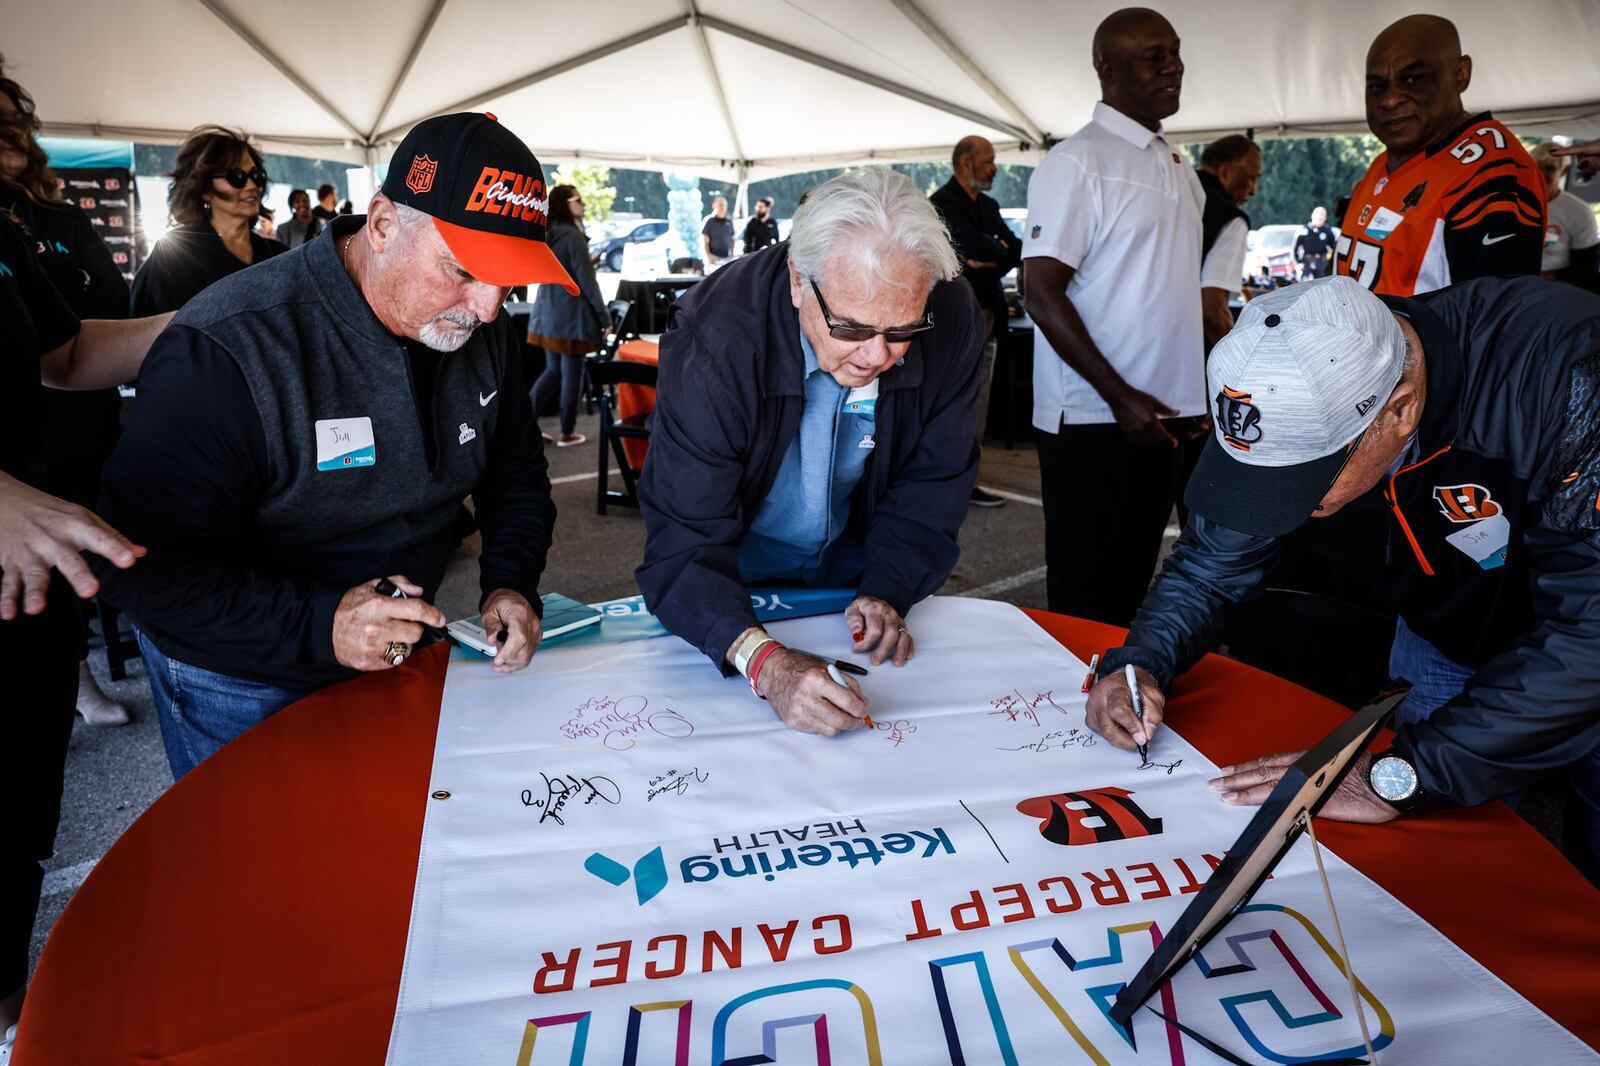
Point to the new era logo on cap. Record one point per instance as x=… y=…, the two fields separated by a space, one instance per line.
x=486 y=193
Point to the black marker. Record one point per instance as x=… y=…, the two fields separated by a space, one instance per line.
x=388 y=588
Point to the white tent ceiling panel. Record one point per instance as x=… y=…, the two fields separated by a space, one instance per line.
x=589 y=109
x=158 y=64
x=791 y=110
x=628 y=81
x=477 y=46
x=871 y=36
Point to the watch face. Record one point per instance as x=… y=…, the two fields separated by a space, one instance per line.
x=1393 y=778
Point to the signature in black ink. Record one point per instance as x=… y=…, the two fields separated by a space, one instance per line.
x=570 y=788
x=898 y=730
x=1058 y=740
x=1167 y=766
x=675 y=782
x=1015 y=707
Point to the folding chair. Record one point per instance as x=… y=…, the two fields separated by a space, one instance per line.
x=604 y=377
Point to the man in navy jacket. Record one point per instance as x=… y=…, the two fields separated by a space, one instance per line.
x=814 y=426
x=1446 y=448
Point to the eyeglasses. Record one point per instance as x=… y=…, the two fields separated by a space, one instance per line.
x=866 y=333
x=238 y=178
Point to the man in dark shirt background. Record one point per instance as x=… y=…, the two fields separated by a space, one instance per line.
x=988 y=250
x=716 y=236
x=327 y=203
x=762 y=229
x=1313 y=249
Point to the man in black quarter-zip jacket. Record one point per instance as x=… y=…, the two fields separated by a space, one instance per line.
x=310 y=426
x=1448 y=445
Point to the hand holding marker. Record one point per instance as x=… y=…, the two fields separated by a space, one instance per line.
x=1138 y=706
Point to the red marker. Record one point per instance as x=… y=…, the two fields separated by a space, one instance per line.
x=857 y=637
x=1088 y=681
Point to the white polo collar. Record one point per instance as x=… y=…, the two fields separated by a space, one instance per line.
x=1125 y=127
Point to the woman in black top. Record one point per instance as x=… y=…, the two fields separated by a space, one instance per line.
x=213 y=201
x=567 y=327
x=80 y=428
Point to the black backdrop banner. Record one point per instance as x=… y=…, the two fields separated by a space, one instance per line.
x=108 y=196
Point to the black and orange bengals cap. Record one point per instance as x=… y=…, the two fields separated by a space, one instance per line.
x=486 y=194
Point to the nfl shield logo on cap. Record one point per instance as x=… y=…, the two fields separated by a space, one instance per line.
x=486 y=193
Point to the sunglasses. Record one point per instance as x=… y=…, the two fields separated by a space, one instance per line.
x=866 y=333
x=239 y=178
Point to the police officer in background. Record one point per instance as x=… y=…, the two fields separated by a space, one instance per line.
x=1314 y=247
x=1447 y=447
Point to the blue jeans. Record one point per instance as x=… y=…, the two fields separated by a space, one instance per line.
x=1436 y=680
x=200 y=710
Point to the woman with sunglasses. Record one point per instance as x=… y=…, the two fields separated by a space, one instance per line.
x=213 y=201
x=567 y=327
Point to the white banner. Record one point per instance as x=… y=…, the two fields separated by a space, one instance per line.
x=627 y=859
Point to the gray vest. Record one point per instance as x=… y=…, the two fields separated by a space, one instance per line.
x=320 y=366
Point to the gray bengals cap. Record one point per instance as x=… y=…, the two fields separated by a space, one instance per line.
x=1303 y=374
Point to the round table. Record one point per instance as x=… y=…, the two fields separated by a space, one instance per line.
x=258 y=911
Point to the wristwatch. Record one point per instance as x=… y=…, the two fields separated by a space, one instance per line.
x=747 y=649
x=1394 y=780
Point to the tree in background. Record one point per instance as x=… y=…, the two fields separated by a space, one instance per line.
x=593 y=184
x=1299 y=175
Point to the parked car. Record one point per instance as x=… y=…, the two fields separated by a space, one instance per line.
x=1269 y=252
x=607 y=252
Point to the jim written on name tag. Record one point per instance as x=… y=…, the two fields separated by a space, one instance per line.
x=345 y=442
x=1485 y=541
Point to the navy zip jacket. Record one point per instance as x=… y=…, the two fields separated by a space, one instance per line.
x=728 y=406
x=1508 y=454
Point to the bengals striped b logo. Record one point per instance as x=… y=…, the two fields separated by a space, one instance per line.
x=1465 y=503
x=1091 y=816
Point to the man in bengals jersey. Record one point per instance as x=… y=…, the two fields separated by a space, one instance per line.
x=1453 y=196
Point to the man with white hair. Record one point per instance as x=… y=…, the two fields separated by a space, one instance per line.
x=308 y=427
x=814 y=426
x=1446 y=448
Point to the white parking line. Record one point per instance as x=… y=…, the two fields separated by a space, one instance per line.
x=66 y=879
x=1006 y=584
x=1008 y=495
x=590 y=476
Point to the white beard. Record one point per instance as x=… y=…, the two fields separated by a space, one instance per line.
x=447 y=333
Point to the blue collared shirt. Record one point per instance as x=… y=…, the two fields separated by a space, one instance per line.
x=809 y=504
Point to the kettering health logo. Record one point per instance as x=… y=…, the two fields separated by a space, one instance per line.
x=649 y=873
x=769 y=853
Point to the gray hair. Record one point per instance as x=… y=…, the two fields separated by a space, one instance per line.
x=872 y=216
x=410 y=218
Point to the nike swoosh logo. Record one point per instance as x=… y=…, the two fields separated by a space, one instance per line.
x=1496 y=240
x=483 y=401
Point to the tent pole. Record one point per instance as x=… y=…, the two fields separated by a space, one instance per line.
x=405 y=68
x=741 y=201
x=865 y=77
x=921 y=21
x=226 y=18
x=704 y=47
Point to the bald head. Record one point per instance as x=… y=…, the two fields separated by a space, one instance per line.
x=1136 y=59
x=972 y=161
x=1415 y=77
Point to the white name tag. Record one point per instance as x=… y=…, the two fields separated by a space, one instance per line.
x=1485 y=541
x=345 y=442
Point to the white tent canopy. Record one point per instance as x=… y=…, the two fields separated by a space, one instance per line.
x=742 y=88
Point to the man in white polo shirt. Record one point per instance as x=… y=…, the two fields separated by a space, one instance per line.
x=1112 y=251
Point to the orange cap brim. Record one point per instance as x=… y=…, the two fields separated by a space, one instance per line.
x=496 y=259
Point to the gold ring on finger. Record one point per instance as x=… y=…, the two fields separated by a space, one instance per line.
x=395 y=652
